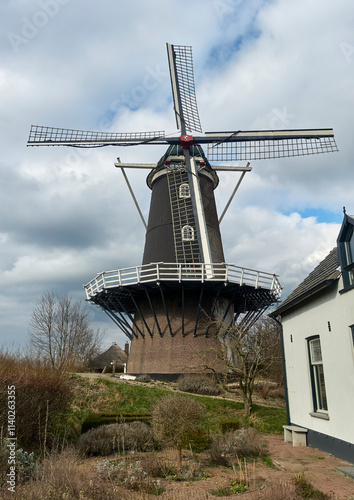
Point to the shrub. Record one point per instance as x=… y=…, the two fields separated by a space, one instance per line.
x=172 y=418
x=26 y=464
x=229 y=425
x=198 y=384
x=305 y=490
x=97 y=419
x=197 y=440
x=159 y=467
x=42 y=401
x=130 y=475
x=278 y=392
x=270 y=390
x=143 y=378
x=62 y=476
x=116 y=438
x=226 y=448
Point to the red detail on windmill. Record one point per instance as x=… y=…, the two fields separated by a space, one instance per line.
x=186 y=141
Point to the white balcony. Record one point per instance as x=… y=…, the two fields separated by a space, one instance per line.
x=184 y=272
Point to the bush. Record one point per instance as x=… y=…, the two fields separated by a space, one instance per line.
x=157 y=466
x=97 y=419
x=172 y=418
x=198 y=384
x=62 y=476
x=130 y=475
x=197 y=440
x=119 y=438
x=305 y=490
x=270 y=390
x=42 y=401
x=143 y=378
x=229 y=425
x=243 y=443
x=26 y=464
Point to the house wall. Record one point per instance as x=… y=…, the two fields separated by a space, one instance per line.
x=308 y=319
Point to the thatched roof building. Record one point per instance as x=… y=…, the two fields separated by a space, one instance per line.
x=114 y=353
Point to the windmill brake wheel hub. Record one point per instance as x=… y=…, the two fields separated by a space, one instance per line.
x=186 y=141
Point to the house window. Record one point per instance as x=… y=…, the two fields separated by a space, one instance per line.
x=345 y=244
x=187 y=233
x=184 y=191
x=352 y=331
x=317 y=375
x=349 y=254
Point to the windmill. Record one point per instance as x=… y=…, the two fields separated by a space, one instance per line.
x=172 y=305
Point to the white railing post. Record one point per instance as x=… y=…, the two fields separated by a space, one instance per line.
x=157 y=271
x=257 y=279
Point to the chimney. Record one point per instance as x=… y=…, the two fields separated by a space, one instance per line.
x=126 y=348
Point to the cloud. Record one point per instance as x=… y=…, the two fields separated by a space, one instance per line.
x=67 y=214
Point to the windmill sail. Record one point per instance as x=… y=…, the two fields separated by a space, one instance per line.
x=266 y=144
x=183 y=89
x=52 y=136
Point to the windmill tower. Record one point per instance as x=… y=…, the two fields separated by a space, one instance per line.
x=171 y=306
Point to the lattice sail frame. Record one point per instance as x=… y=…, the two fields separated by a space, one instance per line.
x=52 y=136
x=183 y=89
x=270 y=148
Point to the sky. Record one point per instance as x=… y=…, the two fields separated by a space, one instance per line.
x=66 y=214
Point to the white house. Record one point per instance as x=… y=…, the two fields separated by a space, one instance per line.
x=318 y=345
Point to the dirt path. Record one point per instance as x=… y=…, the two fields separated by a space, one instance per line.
x=318 y=468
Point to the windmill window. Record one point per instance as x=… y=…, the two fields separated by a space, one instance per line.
x=317 y=375
x=184 y=191
x=187 y=233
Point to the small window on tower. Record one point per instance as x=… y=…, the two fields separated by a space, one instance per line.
x=187 y=233
x=184 y=191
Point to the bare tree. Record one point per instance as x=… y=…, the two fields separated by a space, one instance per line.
x=60 y=331
x=246 y=353
x=172 y=417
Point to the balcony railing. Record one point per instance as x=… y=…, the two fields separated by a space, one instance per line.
x=162 y=271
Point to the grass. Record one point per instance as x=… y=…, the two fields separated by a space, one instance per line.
x=99 y=395
x=266 y=420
